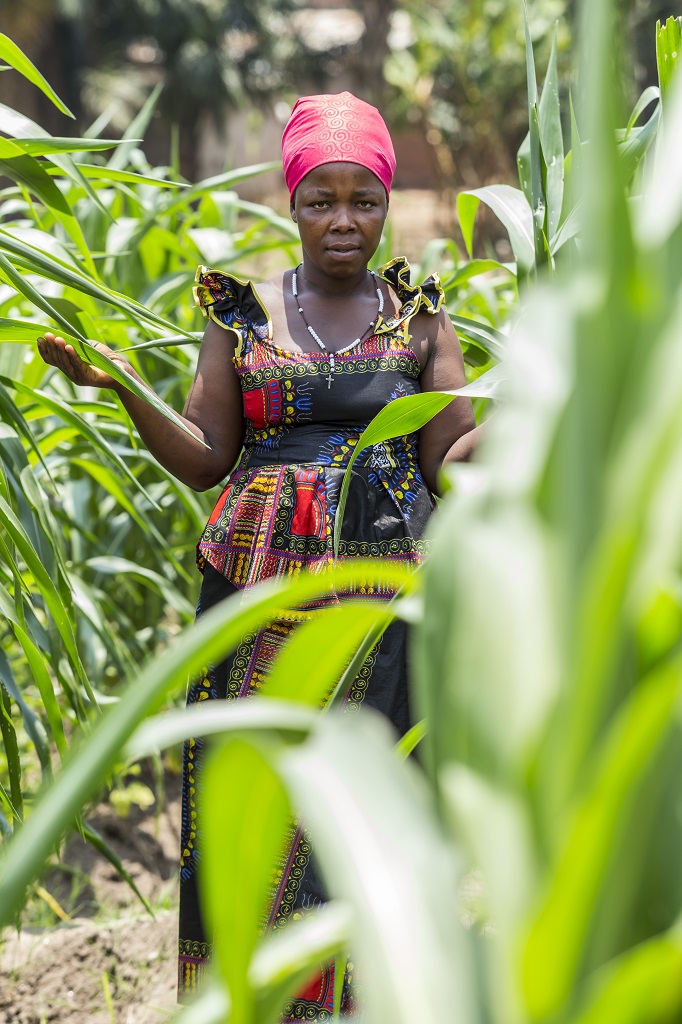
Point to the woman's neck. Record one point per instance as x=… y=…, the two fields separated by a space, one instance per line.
x=328 y=286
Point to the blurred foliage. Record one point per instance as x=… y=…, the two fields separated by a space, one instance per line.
x=212 y=53
x=542 y=216
x=457 y=71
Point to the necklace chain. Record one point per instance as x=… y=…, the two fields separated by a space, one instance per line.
x=315 y=336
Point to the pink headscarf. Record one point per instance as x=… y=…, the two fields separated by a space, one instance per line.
x=331 y=128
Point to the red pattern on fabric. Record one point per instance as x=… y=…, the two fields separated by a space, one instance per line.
x=263 y=406
x=320 y=989
x=310 y=508
x=219 y=506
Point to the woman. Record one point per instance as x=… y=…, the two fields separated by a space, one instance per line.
x=289 y=373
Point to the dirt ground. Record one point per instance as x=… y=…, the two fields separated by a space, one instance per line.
x=111 y=963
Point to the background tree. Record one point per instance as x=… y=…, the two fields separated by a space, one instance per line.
x=454 y=71
x=458 y=71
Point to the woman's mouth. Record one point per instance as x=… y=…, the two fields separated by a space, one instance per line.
x=343 y=251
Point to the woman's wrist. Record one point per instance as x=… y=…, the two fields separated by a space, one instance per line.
x=119 y=387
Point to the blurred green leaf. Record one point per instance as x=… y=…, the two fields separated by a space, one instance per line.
x=408 y=743
x=272 y=716
x=285 y=959
x=334 y=634
x=559 y=933
x=643 y=984
x=212 y=1006
x=668 y=51
x=244 y=844
x=15 y=57
x=412 y=952
x=488 y=385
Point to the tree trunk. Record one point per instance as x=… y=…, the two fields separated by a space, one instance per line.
x=374 y=49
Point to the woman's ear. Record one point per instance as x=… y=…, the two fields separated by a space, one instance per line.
x=292 y=211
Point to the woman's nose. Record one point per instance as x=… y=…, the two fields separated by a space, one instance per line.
x=344 y=219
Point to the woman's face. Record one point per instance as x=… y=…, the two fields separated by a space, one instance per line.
x=340 y=210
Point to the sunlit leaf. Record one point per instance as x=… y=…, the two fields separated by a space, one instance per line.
x=246 y=844
x=10 y=52
x=668 y=51
x=551 y=138
x=54 y=144
x=511 y=207
x=412 y=951
x=95 y=171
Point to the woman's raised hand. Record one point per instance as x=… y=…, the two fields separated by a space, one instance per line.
x=57 y=352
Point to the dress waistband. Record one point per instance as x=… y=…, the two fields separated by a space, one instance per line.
x=317 y=445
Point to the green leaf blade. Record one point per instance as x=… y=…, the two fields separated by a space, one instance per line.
x=10 y=52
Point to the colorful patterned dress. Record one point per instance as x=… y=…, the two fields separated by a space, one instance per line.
x=275 y=516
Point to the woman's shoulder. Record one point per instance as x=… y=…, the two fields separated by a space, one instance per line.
x=427 y=297
x=232 y=302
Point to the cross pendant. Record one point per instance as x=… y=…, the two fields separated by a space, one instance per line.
x=329 y=380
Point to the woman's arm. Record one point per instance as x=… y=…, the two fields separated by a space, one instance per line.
x=452 y=435
x=213 y=411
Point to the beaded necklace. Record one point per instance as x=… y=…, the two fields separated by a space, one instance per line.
x=315 y=336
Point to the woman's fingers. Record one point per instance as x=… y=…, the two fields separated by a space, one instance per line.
x=47 y=349
x=48 y=346
x=56 y=352
x=63 y=361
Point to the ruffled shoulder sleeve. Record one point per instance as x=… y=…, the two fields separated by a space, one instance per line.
x=231 y=303
x=427 y=296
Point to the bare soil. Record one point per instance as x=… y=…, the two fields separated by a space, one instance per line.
x=111 y=962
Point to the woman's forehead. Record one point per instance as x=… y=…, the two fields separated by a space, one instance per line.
x=333 y=178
